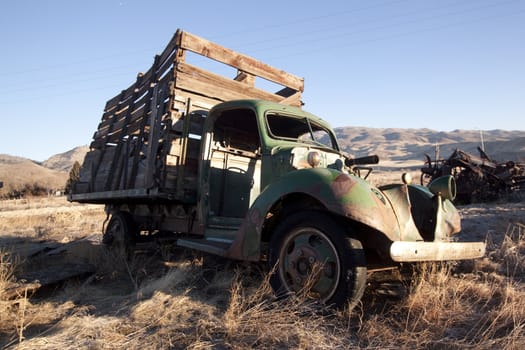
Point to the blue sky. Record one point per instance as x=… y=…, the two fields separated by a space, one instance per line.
x=442 y=65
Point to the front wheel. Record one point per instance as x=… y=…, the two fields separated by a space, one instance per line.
x=312 y=255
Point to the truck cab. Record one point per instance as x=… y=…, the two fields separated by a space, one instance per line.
x=274 y=186
x=248 y=145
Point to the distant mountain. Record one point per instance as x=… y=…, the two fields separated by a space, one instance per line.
x=410 y=145
x=64 y=161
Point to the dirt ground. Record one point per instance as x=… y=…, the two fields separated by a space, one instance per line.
x=59 y=287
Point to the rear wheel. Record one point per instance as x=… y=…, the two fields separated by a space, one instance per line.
x=313 y=256
x=120 y=233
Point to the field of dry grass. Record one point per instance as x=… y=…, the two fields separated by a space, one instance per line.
x=175 y=299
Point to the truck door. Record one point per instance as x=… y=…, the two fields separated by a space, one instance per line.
x=235 y=167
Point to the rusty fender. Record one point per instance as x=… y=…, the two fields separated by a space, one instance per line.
x=340 y=193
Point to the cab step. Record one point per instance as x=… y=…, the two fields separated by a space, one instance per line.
x=212 y=246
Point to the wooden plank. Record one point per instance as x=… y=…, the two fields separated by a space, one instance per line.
x=136 y=125
x=199 y=102
x=108 y=111
x=25 y=250
x=124 y=125
x=153 y=139
x=167 y=65
x=121 y=124
x=194 y=79
x=112 y=122
x=113 y=102
x=119 y=130
x=102 y=170
x=111 y=125
x=293 y=100
x=245 y=77
x=193 y=149
x=87 y=174
x=240 y=61
x=122 y=98
x=170 y=49
x=91 y=240
x=129 y=92
x=147 y=78
x=141 y=83
x=103 y=196
x=137 y=174
x=196 y=126
x=17 y=290
x=52 y=274
x=141 y=101
x=105 y=125
x=120 y=159
x=138 y=114
x=180 y=188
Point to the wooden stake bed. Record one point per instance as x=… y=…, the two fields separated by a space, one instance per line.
x=142 y=149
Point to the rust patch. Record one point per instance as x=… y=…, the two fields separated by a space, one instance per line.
x=342 y=185
x=380 y=217
x=247 y=237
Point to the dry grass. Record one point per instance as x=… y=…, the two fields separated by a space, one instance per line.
x=49 y=218
x=449 y=308
x=149 y=305
x=7 y=308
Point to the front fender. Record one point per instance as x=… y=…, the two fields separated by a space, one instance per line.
x=340 y=193
x=436 y=217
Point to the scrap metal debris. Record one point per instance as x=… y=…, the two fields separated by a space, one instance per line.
x=478 y=178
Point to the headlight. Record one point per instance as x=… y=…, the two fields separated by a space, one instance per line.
x=406 y=178
x=444 y=186
x=314 y=158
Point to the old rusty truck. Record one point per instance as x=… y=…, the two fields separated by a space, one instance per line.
x=226 y=167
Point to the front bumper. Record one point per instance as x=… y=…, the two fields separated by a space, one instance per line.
x=436 y=251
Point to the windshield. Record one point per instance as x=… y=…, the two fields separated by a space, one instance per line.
x=302 y=130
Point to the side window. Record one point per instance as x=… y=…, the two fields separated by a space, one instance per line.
x=299 y=129
x=237 y=130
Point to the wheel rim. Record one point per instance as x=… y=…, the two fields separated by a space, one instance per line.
x=118 y=241
x=309 y=264
x=116 y=231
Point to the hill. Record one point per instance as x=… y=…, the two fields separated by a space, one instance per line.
x=64 y=161
x=401 y=147
x=24 y=175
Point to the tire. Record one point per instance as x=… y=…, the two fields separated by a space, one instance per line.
x=121 y=233
x=312 y=255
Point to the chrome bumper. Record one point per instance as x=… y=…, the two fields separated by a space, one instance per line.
x=436 y=251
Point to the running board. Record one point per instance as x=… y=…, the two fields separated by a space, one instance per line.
x=206 y=245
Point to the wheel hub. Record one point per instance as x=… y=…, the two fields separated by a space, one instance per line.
x=310 y=261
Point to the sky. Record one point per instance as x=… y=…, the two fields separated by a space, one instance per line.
x=442 y=65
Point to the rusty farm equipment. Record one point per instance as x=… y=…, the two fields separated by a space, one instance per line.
x=478 y=178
